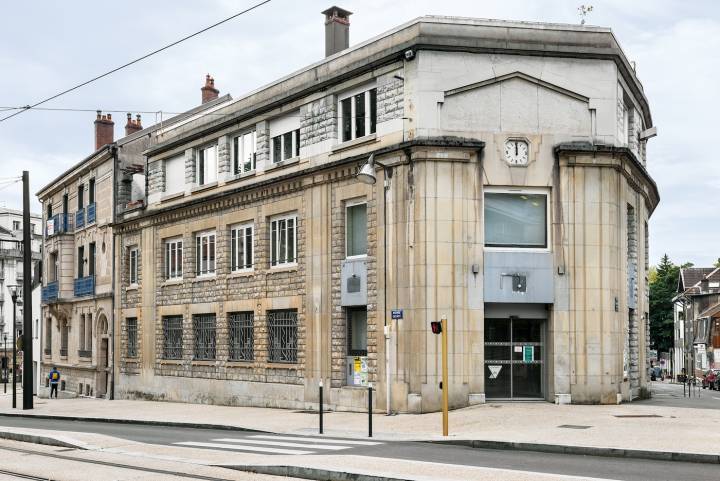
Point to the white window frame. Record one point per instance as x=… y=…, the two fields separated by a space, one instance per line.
x=239 y=154
x=519 y=190
x=295 y=146
x=133 y=256
x=201 y=164
x=239 y=232
x=275 y=240
x=200 y=270
x=349 y=204
x=365 y=89
x=176 y=244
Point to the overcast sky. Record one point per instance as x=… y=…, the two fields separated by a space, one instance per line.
x=46 y=47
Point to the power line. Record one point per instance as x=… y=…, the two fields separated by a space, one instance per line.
x=28 y=107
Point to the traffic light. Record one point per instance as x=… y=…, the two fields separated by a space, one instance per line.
x=436 y=327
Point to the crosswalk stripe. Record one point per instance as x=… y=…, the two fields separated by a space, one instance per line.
x=316 y=440
x=244 y=448
x=281 y=443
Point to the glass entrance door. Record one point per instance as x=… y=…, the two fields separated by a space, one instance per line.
x=514 y=358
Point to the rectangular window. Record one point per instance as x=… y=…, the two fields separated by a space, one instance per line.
x=356 y=230
x=80 y=196
x=131 y=327
x=283 y=241
x=81 y=262
x=172 y=337
x=358 y=115
x=53 y=267
x=516 y=219
x=204 y=334
x=91 y=259
x=133 y=261
x=357 y=332
x=240 y=327
x=241 y=247
x=174 y=174
x=205 y=253
x=174 y=258
x=245 y=152
x=286 y=146
x=91 y=191
x=207 y=165
x=48 y=336
x=16 y=225
x=282 y=336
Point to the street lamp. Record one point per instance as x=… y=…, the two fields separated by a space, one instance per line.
x=14 y=293
x=366 y=175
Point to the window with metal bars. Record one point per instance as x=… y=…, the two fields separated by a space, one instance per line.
x=133 y=265
x=282 y=336
x=283 y=240
x=241 y=247
x=240 y=327
x=204 y=334
x=173 y=258
x=131 y=328
x=172 y=337
x=64 y=339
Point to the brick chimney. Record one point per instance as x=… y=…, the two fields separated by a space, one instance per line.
x=104 y=130
x=132 y=126
x=337 y=30
x=209 y=92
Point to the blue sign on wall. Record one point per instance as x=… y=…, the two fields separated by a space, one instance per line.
x=396 y=314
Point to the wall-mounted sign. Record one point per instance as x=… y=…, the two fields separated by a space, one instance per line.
x=396 y=314
x=528 y=353
x=494 y=371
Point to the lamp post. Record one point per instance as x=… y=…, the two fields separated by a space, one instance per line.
x=366 y=175
x=14 y=296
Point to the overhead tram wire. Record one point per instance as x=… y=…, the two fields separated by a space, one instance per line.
x=28 y=107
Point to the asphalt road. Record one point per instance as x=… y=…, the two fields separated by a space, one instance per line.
x=237 y=442
x=671 y=395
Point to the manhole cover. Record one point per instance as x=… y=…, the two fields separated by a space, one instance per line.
x=637 y=415
x=574 y=426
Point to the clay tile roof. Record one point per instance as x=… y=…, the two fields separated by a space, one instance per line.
x=691 y=276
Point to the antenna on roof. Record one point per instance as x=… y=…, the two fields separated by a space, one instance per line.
x=583 y=11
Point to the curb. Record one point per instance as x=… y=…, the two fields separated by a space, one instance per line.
x=587 y=450
x=37 y=439
x=172 y=424
x=304 y=472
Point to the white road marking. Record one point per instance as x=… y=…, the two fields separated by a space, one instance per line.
x=280 y=443
x=316 y=440
x=244 y=448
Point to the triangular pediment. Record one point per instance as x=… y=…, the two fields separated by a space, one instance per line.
x=521 y=76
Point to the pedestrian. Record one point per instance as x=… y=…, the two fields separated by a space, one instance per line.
x=54 y=376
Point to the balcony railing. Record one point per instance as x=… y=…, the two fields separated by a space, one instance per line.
x=90 y=213
x=63 y=352
x=80 y=219
x=50 y=292
x=84 y=353
x=84 y=286
x=58 y=224
x=48 y=351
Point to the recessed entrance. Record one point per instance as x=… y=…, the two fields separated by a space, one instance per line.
x=514 y=358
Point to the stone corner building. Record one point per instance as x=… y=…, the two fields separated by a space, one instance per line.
x=511 y=196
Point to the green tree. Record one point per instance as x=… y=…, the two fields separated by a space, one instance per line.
x=717 y=263
x=663 y=288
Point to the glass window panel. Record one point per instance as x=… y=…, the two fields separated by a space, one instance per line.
x=373 y=110
x=358 y=332
x=359 y=115
x=291 y=240
x=277 y=149
x=497 y=330
x=515 y=220
x=237 y=155
x=345 y=105
x=287 y=145
x=356 y=223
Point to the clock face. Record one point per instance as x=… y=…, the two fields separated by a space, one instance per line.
x=516 y=152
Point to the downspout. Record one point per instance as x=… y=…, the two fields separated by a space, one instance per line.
x=112 y=299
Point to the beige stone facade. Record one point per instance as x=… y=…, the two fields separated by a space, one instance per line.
x=448 y=113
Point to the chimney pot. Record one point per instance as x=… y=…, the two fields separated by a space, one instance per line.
x=209 y=92
x=104 y=129
x=337 y=30
x=132 y=126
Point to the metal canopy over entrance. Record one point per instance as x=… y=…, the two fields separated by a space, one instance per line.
x=514 y=358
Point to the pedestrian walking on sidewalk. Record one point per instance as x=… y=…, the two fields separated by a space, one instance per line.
x=54 y=376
